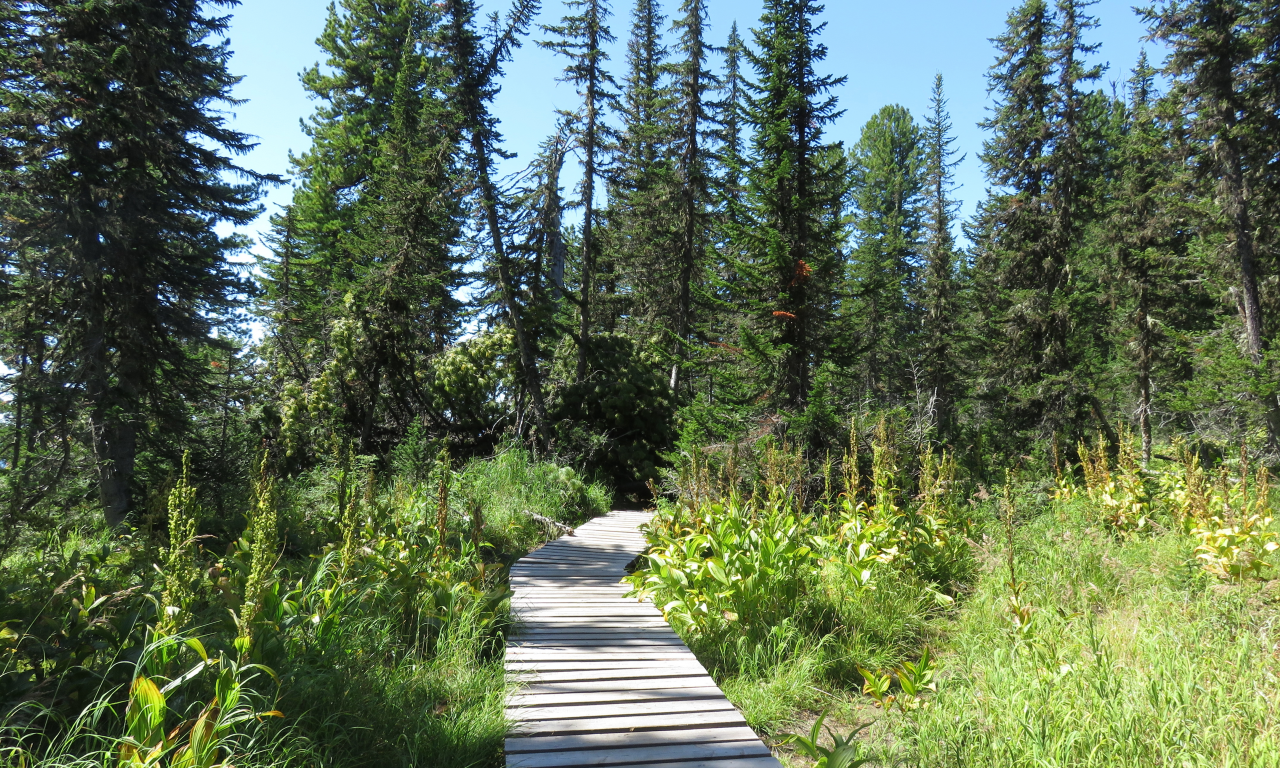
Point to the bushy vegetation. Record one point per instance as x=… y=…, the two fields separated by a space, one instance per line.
x=356 y=620
x=1115 y=615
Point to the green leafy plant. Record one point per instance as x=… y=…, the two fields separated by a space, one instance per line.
x=913 y=678
x=179 y=569
x=735 y=565
x=845 y=752
x=199 y=742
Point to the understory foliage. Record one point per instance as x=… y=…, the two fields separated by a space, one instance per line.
x=357 y=618
x=752 y=572
x=1087 y=618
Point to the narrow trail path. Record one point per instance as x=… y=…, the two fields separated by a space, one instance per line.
x=599 y=680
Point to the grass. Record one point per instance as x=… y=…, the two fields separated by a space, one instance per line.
x=1135 y=656
x=376 y=636
x=1111 y=624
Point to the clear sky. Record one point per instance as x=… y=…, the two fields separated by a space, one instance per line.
x=889 y=51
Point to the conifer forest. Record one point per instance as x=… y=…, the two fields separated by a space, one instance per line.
x=930 y=489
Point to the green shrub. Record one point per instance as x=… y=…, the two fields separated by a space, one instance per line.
x=619 y=418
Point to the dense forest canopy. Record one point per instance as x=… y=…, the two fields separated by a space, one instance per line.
x=722 y=269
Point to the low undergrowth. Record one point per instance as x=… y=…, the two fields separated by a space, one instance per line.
x=1116 y=616
x=358 y=620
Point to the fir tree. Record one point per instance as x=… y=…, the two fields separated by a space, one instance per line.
x=114 y=167
x=939 y=295
x=1013 y=223
x=642 y=182
x=790 y=233
x=888 y=177
x=694 y=134
x=581 y=37
x=372 y=272
x=1039 y=295
x=478 y=71
x=729 y=113
x=1215 y=50
x=1144 y=232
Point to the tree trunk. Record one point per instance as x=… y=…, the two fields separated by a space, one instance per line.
x=588 y=220
x=1235 y=205
x=688 y=256
x=528 y=360
x=114 y=449
x=1144 y=374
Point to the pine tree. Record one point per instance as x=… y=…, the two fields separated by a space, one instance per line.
x=642 y=180
x=790 y=233
x=478 y=71
x=581 y=38
x=114 y=167
x=939 y=295
x=692 y=147
x=1215 y=50
x=888 y=177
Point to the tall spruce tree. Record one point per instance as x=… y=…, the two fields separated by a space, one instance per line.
x=939 y=295
x=581 y=38
x=1038 y=296
x=1145 y=232
x=476 y=84
x=370 y=234
x=795 y=182
x=729 y=116
x=115 y=167
x=1011 y=233
x=692 y=147
x=1217 y=49
x=888 y=177
x=642 y=181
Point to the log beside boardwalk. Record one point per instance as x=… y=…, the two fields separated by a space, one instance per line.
x=596 y=679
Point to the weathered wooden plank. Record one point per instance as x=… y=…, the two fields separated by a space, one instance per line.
x=628 y=723
x=588 y=605
x=619 y=710
x=617 y=685
x=613 y=696
x=606 y=675
x=665 y=634
x=632 y=755
x=558 y=664
x=587 y=616
x=520 y=646
x=666 y=737
x=523 y=667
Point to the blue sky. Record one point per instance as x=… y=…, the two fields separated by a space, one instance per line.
x=889 y=51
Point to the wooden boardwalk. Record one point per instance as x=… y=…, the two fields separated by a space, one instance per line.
x=599 y=680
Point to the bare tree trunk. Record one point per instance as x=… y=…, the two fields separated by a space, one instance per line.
x=114 y=449
x=1144 y=374
x=688 y=256
x=528 y=360
x=588 y=220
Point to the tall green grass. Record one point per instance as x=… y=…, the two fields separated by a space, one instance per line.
x=1135 y=656
x=366 y=633
x=1131 y=619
